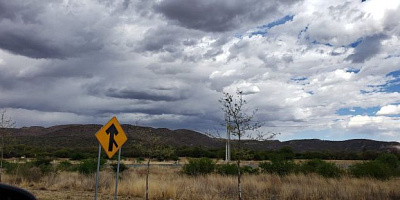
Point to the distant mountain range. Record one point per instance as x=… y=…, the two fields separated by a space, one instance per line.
x=82 y=136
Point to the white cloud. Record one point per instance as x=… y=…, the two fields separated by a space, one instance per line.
x=140 y=60
x=360 y=121
x=389 y=110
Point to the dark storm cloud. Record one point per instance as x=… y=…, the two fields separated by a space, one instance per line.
x=215 y=15
x=367 y=49
x=27 y=29
x=26 y=44
x=165 y=68
x=36 y=44
x=151 y=94
x=167 y=39
x=21 y=10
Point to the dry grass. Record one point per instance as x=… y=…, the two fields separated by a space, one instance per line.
x=169 y=183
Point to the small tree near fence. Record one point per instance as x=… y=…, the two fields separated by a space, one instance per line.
x=239 y=122
x=5 y=123
x=152 y=147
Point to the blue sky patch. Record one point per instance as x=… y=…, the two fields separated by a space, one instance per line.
x=371 y=111
x=356 y=43
x=326 y=44
x=301 y=78
x=392 y=87
x=395 y=74
x=353 y=70
x=264 y=28
x=394 y=84
x=278 y=22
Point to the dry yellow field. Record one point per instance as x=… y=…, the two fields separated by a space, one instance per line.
x=170 y=183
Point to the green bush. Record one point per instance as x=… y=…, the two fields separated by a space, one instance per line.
x=280 y=167
x=65 y=166
x=231 y=169
x=310 y=166
x=374 y=169
x=227 y=169
x=78 y=156
x=174 y=157
x=199 y=166
x=10 y=168
x=23 y=171
x=389 y=159
x=62 y=153
x=287 y=153
x=89 y=166
x=249 y=170
x=140 y=159
x=122 y=167
x=42 y=161
x=328 y=170
x=44 y=164
x=383 y=167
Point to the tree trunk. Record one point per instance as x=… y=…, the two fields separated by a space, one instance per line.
x=2 y=156
x=239 y=181
x=147 y=178
x=238 y=166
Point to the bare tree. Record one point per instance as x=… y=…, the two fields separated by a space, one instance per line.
x=238 y=124
x=152 y=147
x=5 y=123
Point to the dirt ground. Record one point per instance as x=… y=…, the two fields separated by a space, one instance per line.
x=78 y=195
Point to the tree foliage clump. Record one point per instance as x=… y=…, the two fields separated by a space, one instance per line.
x=328 y=170
x=383 y=167
x=89 y=166
x=227 y=169
x=199 y=166
x=280 y=167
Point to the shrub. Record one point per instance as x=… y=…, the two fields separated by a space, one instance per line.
x=10 y=168
x=42 y=161
x=62 y=153
x=227 y=169
x=44 y=164
x=383 y=167
x=330 y=170
x=249 y=170
x=199 y=166
x=389 y=159
x=78 y=156
x=374 y=169
x=231 y=169
x=310 y=166
x=26 y=171
x=65 y=166
x=122 y=167
x=280 y=167
x=287 y=153
x=174 y=157
x=89 y=166
x=140 y=160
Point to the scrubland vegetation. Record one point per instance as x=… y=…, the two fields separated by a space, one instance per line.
x=170 y=183
x=203 y=178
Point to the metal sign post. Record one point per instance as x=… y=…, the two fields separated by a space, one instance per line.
x=116 y=178
x=97 y=173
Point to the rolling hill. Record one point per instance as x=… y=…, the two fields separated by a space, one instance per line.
x=82 y=136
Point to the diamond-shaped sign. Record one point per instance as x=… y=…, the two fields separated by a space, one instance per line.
x=111 y=137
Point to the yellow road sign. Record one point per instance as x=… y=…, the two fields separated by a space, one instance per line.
x=111 y=137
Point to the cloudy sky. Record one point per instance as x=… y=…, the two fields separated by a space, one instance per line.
x=314 y=69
